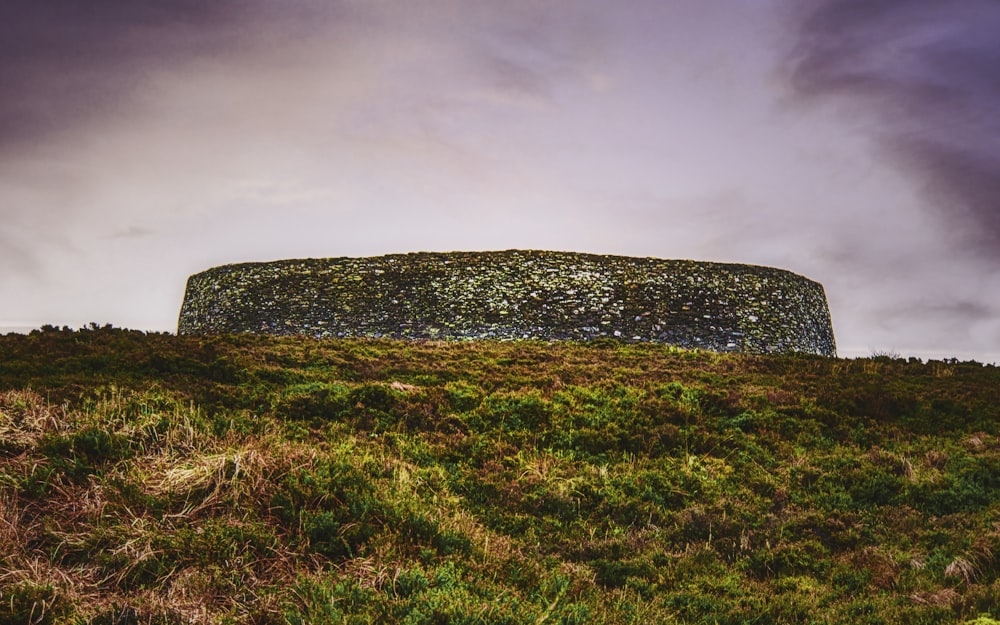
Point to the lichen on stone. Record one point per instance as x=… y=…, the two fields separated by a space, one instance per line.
x=516 y=294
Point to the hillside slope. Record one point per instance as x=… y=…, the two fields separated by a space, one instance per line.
x=164 y=479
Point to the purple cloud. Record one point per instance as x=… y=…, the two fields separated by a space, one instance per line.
x=64 y=62
x=931 y=71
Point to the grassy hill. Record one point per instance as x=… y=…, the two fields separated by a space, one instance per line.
x=164 y=479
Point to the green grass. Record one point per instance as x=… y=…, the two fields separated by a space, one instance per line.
x=164 y=479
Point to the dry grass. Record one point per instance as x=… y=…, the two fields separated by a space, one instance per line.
x=203 y=474
x=936 y=459
x=944 y=598
x=29 y=569
x=962 y=568
x=206 y=480
x=25 y=416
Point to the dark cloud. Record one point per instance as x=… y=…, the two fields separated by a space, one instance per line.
x=961 y=313
x=931 y=70
x=65 y=65
x=963 y=182
x=64 y=62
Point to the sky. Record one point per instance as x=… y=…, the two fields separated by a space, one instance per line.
x=854 y=142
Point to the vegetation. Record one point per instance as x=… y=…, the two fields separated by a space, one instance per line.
x=245 y=479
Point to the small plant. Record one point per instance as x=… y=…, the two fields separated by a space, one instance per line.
x=885 y=354
x=963 y=569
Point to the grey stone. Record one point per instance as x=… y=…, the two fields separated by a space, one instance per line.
x=516 y=295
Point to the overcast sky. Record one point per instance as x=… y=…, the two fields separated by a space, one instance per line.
x=854 y=142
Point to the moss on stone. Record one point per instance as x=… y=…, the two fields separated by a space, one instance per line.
x=516 y=295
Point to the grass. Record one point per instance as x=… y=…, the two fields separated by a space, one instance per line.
x=164 y=479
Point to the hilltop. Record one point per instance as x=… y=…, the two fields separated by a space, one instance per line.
x=153 y=478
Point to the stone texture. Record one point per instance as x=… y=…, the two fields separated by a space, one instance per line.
x=516 y=295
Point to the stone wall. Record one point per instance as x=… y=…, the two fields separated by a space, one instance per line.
x=516 y=295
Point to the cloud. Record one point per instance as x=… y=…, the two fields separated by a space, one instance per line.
x=15 y=258
x=83 y=91
x=963 y=312
x=931 y=72
x=116 y=112
x=64 y=62
x=133 y=232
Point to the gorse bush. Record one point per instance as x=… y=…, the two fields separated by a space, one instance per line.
x=163 y=479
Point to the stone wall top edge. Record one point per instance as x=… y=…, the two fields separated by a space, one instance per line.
x=711 y=265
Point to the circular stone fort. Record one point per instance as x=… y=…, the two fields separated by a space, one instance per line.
x=512 y=295
x=536 y=295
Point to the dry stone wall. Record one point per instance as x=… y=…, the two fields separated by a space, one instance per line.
x=516 y=295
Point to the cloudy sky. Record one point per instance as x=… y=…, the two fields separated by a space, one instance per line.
x=854 y=142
